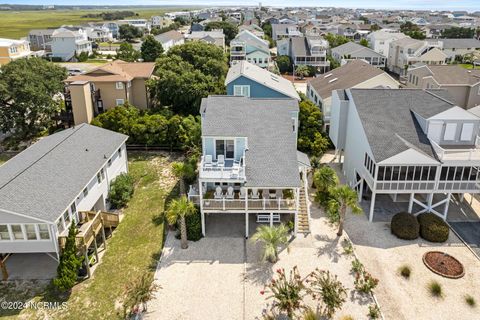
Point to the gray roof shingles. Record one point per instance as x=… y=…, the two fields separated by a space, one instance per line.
x=271 y=159
x=43 y=180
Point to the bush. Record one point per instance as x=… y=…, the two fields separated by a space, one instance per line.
x=194 y=226
x=405 y=271
x=470 y=300
x=435 y=289
x=405 y=226
x=121 y=190
x=433 y=228
x=373 y=311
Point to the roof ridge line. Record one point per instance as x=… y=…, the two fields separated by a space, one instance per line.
x=49 y=151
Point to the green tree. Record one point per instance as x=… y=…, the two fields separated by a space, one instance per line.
x=325 y=179
x=284 y=64
x=412 y=30
x=374 y=27
x=128 y=32
x=183 y=171
x=267 y=28
x=126 y=52
x=310 y=138
x=347 y=199
x=178 y=209
x=364 y=42
x=230 y=30
x=302 y=71
x=70 y=263
x=329 y=290
x=458 y=33
x=29 y=95
x=271 y=238
x=121 y=191
x=82 y=57
x=336 y=40
x=151 y=49
x=137 y=293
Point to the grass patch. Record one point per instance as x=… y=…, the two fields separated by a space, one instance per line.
x=133 y=250
x=4 y=158
x=405 y=271
x=435 y=289
x=470 y=300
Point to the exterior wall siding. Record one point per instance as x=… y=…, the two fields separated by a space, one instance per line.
x=257 y=90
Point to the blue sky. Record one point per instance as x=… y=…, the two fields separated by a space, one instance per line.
x=469 y=5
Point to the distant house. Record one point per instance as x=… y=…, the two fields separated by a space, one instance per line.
x=215 y=37
x=62 y=179
x=458 y=47
x=68 y=41
x=355 y=51
x=106 y=87
x=143 y=24
x=309 y=51
x=380 y=40
x=247 y=46
x=354 y=74
x=196 y=27
x=13 y=49
x=99 y=34
x=161 y=21
x=462 y=84
x=407 y=51
x=169 y=39
x=114 y=28
x=253 y=28
x=41 y=39
x=246 y=79
x=281 y=31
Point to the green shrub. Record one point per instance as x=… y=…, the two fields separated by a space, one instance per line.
x=373 y=311
x=405 y=271
x=357 y=266
x=433 y=228
x=194 y=226
x=470 y=300
x=121 y=190
x=435 y=289
x=405 y=226
x=347 y=247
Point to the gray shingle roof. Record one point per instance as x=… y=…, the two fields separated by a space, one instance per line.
x=43 y=180
x=460 y=43
x=355 y=50
x=390 y=124
x=271 y=159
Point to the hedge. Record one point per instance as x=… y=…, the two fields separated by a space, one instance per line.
x=433 y=228
x=194 y=226
x=121 y=191
x=405 y=226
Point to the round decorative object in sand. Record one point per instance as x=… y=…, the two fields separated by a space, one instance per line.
x=443 y=264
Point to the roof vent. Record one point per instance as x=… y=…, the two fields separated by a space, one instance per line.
x=333 y=80
x=328 y=75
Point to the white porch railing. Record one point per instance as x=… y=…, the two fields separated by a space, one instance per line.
x=253 y=204
x=459 y=154
x=213 y=170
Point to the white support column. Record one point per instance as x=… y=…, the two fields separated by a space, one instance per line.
x=447 y=203
x=246 y=213
x=462 y=195
x=271 y=219
x=410 y=202
x=372 y=206
x=429 y=202
x=360 y=193
x=297 y=207
x=202 y=214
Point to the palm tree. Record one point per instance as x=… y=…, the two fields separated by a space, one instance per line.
x=272 y=238
x=302 y=71
x=347 y=198
x=325 y=178
x=179 y=209
x=182 y=170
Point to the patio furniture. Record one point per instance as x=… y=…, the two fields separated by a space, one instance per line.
x=221 y=160
x=265 y=218
x=242 y=193
x=208 y=161
x=266 y=194
x=235 y=169
x=230 y=193
x=255 y=194
x=218 y=193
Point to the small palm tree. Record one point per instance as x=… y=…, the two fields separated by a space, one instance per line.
x=347 y=198
x=182 y=170
x=302 y=71
x=272 y=238
x=325 y=178
x=179 y=209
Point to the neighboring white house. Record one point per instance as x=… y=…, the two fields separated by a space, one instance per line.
x=247 y=46
x=169 y=39
x=355 y=51
x=143 y=24
x=458 y=47
x=161 y=21
x=354 y=74
x=47 y=187
x=310 y=51
x=99 y=33
x=67 y=41
x=215 y=37
x=380 y=40
x=412 y=146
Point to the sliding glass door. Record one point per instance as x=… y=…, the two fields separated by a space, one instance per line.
x=225 y=147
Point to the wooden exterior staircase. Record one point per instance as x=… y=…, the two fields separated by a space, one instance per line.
x=303 y=213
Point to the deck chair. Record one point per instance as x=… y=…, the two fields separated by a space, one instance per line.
x=255 y=194
x=242 y=193
x=208 y=160
x=230 y=193
x=266 y=194
x=279 y=194
x=218 y=193
x=220 y=160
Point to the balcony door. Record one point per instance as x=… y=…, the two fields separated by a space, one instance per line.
x=225 y=147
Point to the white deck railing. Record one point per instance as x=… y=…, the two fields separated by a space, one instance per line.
x=213 y=170
x=253 y=204
x=459 y=154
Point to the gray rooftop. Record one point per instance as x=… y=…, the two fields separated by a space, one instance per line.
x=460 y=43
x=355 y=50
x=390 y=124
x=42 y=181
x=271 y=159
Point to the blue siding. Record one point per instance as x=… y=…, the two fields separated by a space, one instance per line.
x=257 y=90
x=239 y=148
x=209 y=146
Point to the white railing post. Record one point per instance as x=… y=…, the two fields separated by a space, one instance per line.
x=279 y=204
x=223 y=202
x=263 y=203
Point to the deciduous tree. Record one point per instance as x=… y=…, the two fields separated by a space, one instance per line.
x=151 y=49
x=128 y=32
x=126 y=52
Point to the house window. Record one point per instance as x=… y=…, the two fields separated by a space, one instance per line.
x=31 y=232
x=450 y=130
x=241 y=91
x=467 y=131
x=119 y=102
x=119 y=85
x=66 y=217
x=225 y=147
x=4 y=234
x=17 y=232
x=43 y=230
x=85 y=192
x=119 y=152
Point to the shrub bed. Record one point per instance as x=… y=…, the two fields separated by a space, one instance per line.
x=121 y=190
x=194 y=226
x=405 y=226
x=433 y=228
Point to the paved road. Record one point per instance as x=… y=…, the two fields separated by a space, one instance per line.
x=469 y=232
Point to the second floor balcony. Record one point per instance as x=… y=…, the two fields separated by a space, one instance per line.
x=458 y=152
x=223 y=169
